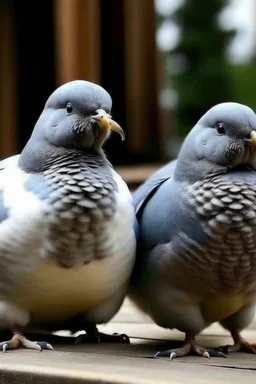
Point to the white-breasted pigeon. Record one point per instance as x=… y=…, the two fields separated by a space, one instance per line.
x=67 y=243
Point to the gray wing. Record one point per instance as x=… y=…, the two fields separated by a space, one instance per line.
x=163 y=213
x=142 y=194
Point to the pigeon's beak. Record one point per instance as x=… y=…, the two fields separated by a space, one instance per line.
x=252 y=140
x=105 y=121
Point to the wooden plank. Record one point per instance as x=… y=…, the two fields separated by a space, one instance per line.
x=8 y=137
x=77 y=34
x=121 y=364
x=140 y=59
x=128 y=363
x=137 y=174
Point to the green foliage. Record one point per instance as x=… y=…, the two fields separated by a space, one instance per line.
x=205 y=80
x=243 y=84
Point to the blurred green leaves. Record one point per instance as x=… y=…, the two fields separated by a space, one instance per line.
x=243 y=84
x=205 y=78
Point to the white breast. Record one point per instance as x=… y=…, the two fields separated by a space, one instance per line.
x=47 y=290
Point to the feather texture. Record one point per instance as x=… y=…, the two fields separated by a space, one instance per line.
x=37 y=239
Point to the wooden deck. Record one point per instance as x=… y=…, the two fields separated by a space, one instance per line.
x=129 y=363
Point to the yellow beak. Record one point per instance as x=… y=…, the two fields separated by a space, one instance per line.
x=105 y=121
x=252 y=140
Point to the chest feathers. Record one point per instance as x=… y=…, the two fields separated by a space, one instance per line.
x=80 y=204
x=227 y=210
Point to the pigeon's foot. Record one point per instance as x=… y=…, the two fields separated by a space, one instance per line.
x=94 y=336
x=190 y=347
x=240 y=345
x=20 y=341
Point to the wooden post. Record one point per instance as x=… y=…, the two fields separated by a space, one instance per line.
x=141 y=80
x=77 y=34
x=8 y=137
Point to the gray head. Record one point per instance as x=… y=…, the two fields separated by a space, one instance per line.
x=75 y=117
x=223 y=139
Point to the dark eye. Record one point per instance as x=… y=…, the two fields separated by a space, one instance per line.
x=69 y=108
x=220 y=129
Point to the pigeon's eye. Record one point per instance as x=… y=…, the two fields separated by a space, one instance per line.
x=220 y=129
x=69 y=108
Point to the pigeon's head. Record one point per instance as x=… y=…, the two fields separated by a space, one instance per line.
x=77 y=115
x=224 y=138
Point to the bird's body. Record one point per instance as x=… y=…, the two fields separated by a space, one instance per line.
x=64 y=259
x=214 y=250
x=67 y=242
x=196 y=259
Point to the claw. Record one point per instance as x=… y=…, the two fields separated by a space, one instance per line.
x=190 y=347
x=240 y=346
x=224 y=349
x=216 y=352
x=221 y=354
x=45 y=345
x=166 y=353
x=20 y=341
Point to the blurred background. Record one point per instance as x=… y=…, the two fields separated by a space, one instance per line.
x=164 y=62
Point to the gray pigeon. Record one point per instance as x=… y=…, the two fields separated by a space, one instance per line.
x=196 y=257
x=67 y=243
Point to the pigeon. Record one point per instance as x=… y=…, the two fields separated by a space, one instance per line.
x=67 y=240
x=196 y=224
